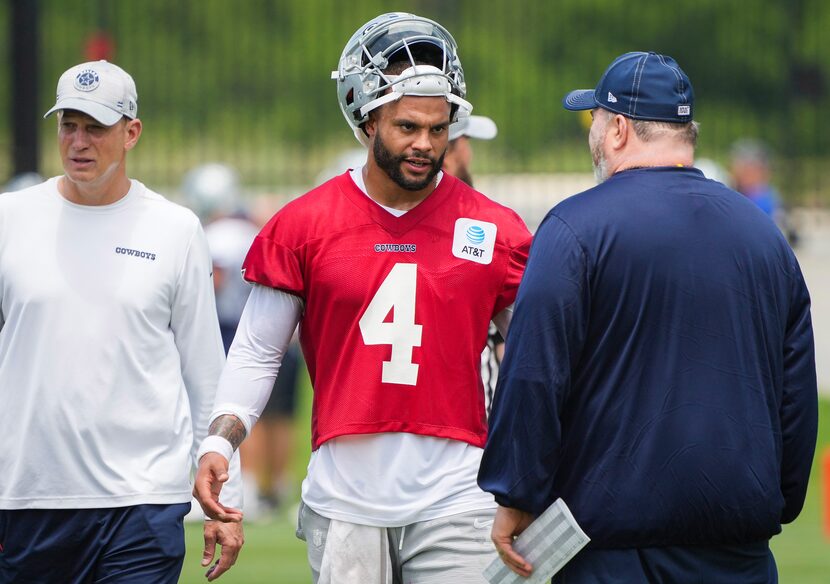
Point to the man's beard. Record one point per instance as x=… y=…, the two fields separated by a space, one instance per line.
x=595 y=138
x=391 y=165
x=599 y=162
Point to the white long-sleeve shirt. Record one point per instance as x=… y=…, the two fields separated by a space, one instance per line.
x=109 y=350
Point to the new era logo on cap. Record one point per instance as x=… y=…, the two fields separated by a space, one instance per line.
x=642 y=86
x=99 y=89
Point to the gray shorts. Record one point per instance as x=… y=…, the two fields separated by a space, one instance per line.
x=456 y=548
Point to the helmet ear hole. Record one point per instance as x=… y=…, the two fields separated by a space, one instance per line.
x=350 y=97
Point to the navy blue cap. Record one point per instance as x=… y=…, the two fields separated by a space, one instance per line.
x=643 y=86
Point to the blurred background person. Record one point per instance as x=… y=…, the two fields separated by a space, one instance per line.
x=213 y=191
x=751 y=169
x=459 y=157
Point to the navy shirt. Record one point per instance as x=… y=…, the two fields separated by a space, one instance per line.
x=660 y=368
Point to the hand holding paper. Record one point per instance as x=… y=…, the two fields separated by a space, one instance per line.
x=540 y=551
x=508 y=524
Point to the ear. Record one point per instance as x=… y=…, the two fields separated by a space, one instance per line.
x=370 y=127
x=620 y=130
x=132 y=133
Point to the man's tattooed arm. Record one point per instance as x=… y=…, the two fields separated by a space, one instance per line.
x=228 y=427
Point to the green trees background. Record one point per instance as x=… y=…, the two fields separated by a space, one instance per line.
x=247 y=81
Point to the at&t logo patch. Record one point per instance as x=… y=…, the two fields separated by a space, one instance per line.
x=474 y=240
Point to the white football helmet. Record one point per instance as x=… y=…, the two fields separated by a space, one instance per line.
x=435 y=69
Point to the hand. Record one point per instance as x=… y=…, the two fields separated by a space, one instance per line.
x=227 y=535
x=507 y=524
x=212 y=473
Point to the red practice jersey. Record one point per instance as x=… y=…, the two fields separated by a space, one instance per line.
x=396 y=308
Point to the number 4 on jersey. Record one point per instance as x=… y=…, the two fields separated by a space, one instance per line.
x=397 y=293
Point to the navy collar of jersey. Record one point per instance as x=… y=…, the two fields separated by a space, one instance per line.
x=667 y=168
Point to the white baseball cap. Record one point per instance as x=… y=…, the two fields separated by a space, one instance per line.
x=97 y=88
x=479 y=127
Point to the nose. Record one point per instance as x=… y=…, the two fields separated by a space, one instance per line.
x=80 y=139
x=422 y=143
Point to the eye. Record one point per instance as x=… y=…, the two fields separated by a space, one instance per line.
x=96 y=129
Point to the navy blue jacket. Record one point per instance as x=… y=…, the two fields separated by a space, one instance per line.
x=660 y=368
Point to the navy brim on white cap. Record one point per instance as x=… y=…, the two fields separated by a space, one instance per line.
x=580 y=99
x=99 y=89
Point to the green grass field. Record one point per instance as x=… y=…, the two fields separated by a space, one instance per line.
x=272 y=555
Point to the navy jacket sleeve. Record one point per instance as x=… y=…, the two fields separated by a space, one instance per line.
x=544 y=342
x=799 y=404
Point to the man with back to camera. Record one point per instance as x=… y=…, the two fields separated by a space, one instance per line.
x=660 y=375
x=109 y=357
x=394 y=271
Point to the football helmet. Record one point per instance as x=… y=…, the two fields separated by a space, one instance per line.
x=429 y=49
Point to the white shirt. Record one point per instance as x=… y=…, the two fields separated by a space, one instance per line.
x=384 y=480
x=109 y=350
